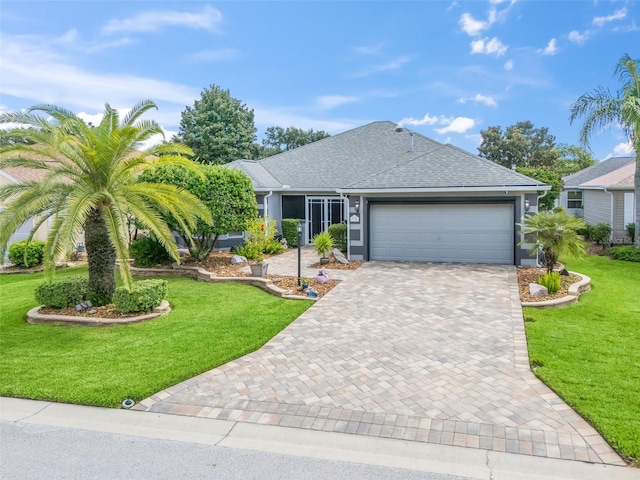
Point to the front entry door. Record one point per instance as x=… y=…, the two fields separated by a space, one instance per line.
x=322 y=212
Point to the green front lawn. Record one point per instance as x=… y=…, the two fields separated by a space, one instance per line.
x=589 y=353
x=210 y=324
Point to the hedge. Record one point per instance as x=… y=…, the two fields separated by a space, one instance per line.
x=33 y=256
x=144 y=296
x=63 y=293
x=290 y=230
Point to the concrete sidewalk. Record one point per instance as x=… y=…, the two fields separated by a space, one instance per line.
x=467 y=462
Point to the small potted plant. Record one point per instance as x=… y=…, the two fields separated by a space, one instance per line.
x=323 y=244
x=304 y=283
x=258 y=267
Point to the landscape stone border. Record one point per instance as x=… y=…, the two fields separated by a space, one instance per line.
x=34 y=316
x=575 y=290
x=202 y=275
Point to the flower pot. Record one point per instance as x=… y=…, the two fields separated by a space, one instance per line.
x=304 y=286
x=259 y=269
x=324 y=260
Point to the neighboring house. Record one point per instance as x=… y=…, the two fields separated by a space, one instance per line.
x=18 y=175
x=603 y=193
x=404 y=196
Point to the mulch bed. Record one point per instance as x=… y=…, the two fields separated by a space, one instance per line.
x=335 y=265
x=530 y=275
x=291 y=283
x=107 y=311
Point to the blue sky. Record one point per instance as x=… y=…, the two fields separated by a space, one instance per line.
x=445 y=69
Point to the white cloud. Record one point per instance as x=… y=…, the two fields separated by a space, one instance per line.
x=158 y=139
x=155 y=20
x=624 y=149
x=488 y=47
x=219 y=55
x=394 y=64
x=367 y=49
x=479 y=98
x=576 y=37
x=35 y=70
x=327 y=102
x=471 y=26
x=616 y=15
x=426 y=120
x=632 y=27
x=508 y=65
x=550 y=49
x=457 y=125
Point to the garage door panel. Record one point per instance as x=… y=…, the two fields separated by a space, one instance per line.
x=482 y=233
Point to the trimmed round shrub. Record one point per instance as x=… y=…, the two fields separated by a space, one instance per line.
x=600 y=233
x=63 y=293
x=144 y=296
x=148 y=252
x=26 y=254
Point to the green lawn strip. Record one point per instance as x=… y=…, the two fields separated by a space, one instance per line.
x=590 y=351
x=210 y=324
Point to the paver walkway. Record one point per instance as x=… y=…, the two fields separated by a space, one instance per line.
x=422 y=352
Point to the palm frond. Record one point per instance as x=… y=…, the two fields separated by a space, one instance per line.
x=138 y=109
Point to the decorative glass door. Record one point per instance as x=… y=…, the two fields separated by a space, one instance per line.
x=322 y=212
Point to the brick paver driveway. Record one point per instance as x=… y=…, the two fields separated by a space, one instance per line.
x=423 y=352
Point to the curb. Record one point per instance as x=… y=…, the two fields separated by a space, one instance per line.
x=34 y=316
x=202 y=275
x=575 y=290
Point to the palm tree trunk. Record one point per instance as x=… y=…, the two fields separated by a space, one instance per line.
x=102 y=259
x=637 y=198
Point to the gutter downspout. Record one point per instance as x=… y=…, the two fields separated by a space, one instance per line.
x=348 y=212
x=611 y=215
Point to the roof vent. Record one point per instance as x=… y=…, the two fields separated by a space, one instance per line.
x=399 y=127
x=411 y=141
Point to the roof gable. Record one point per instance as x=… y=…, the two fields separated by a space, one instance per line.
x=620 y=178
x=379 y=155
x=594 y=171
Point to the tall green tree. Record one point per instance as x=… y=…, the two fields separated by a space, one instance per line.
x=572 y=159
x=521 y=145
x=278 y=139
x=227 y=193
x=601 y=109
x=548 y=176
x=91 y=185
x=219 y=128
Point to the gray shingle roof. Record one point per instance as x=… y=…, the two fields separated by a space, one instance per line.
x=595 y=171
x=378 y=156
x=445 y=167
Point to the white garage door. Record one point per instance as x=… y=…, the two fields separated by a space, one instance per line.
x=442 y=233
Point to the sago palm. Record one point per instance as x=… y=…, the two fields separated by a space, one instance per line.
x=601 y=109
x=553 y=234
x=90 y=186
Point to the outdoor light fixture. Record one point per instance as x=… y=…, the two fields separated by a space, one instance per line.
x=299 y=228
x=357 y=206
x=527 y=205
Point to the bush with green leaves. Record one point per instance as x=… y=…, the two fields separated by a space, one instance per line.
x=227 y=193
x=290 y=230
x=600 y=233
x=144 y=296
x=551 y=280
x=260 y=240
x=63 y=293
x=628 y=253
x=338 y=232
x=631 y=231
x=322 y=244
x=25 y=254
x=149 y=252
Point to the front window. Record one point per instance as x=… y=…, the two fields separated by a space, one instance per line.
x=574 y=199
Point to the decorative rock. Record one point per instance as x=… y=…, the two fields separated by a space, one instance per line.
x=340 y=258
x=564 y=272
x=236 y=259
x=536 y=290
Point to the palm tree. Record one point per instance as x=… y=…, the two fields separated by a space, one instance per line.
x=602 y=109
x=555 y=233
x=90 y=185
